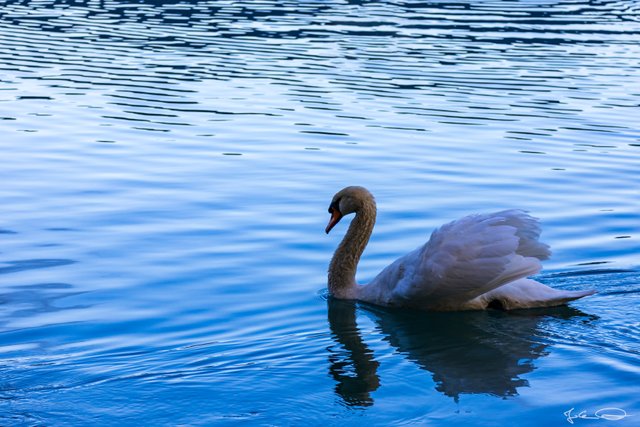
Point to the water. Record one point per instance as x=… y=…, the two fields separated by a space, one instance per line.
x=166 y=168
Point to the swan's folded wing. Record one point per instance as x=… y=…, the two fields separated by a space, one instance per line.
x=462 y=260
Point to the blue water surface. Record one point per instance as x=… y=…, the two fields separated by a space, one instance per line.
x=167 y=165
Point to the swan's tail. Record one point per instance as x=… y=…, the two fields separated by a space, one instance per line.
x=527 y=293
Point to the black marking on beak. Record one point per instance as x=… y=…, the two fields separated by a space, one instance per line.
x=336 y=216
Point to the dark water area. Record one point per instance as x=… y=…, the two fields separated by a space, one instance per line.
x=167 y=165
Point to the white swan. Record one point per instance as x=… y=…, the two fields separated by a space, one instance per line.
x=476 y=262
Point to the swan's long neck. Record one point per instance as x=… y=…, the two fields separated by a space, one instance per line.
x=342 y=269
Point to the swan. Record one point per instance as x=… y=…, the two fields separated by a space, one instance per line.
x=473 y=263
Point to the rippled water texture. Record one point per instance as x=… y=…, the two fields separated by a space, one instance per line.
x=166 y=168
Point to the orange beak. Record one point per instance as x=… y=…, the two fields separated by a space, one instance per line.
x=336 y=216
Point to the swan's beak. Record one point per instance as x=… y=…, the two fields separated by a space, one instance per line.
x=336 y=216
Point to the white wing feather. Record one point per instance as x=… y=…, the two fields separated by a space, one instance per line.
x=461 y=261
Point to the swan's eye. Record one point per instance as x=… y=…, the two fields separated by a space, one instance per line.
x=335 y=205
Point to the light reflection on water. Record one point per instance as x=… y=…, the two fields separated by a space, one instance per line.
x=166 y=170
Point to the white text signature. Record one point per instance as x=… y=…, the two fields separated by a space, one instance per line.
x=610 y=414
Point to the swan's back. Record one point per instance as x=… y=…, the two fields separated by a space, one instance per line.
x=461 y=261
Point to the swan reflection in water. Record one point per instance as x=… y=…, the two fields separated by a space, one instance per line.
x=477 y=352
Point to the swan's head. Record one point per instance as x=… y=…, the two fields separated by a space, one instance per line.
x=346 y=201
